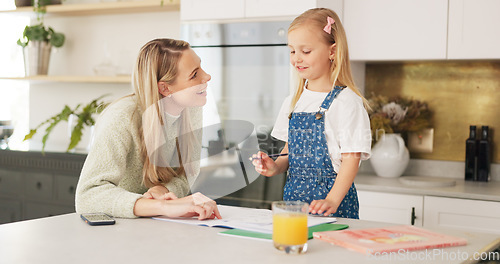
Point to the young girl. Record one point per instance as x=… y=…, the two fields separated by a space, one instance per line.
x=139 y=162
x=324 y=123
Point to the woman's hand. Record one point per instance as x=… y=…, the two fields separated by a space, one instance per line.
x=264 y=164
x=158 y=201
x=192 y=205
x=319 y=206
x=159 y=192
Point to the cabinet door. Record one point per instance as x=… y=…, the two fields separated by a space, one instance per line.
x=473 y=215
x=212 y=9
x=37 y=210
x=270 y=8
x=391 y=208
x=10 y=183
x=10 y=211
x=290 y=8
x=473 y=29
x=396 y=29
x=65 y=189
x=39 y=186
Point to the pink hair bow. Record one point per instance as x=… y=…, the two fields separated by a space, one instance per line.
x=329 y=23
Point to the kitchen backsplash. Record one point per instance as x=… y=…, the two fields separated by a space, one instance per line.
x=434 y=168
x=460 y=93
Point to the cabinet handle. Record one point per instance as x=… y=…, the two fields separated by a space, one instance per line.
x=39 y=185
x=413 y=216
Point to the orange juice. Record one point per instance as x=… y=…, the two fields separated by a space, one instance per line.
x=290 y=228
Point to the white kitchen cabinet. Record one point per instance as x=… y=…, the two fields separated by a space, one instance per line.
x=380 y=30
x=473 y=29
x=473 y=215
x=272 y=8
x=391 y=208
x=212 y=9
x=192 y=10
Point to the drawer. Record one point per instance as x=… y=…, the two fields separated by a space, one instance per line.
x=10 y=183
x=10 y=211
x=66 y=188
x=34 y=210
x=391 y=208
x=39 y=186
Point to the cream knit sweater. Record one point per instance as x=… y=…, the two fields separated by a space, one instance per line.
x=111 y=178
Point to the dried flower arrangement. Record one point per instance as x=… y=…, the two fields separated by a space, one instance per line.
x=397 y=115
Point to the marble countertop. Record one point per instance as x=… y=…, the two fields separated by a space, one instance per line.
x=489 y=191
x=145 y=240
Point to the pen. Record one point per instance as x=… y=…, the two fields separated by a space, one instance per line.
x=271 y=156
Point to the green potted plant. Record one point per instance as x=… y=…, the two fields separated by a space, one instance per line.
x=84 y=117
x=37 y=42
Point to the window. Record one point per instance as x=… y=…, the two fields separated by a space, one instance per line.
x=14 y=95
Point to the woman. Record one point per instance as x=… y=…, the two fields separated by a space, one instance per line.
x=146 y=151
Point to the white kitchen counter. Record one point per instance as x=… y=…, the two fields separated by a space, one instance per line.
x=488 y=191
x=67 y=239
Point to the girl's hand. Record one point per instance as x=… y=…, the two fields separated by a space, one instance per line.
x=159 y=192
x=189 y=207
x=264 y=164
x=320 y=206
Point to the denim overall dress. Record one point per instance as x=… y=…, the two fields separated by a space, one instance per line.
x=311 y=174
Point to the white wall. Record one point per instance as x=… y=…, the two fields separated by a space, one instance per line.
x=87 y=38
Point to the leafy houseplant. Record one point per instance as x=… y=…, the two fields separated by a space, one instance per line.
x=37 y=42
x=85 y=117
x=39 y=32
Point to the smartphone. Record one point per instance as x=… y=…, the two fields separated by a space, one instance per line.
x=98 y=219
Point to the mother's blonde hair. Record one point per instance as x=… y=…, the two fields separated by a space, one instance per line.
x=340 y=68
x=157 y=61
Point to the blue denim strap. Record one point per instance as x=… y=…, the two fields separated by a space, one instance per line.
x=331 y=95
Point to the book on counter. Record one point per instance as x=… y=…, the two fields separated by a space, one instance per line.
x=249 y=219
x=389 y=239
x=269 y=236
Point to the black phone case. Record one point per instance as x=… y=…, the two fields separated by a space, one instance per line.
x=97 y=223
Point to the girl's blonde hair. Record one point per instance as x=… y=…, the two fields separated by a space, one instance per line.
x=340 y=69
x=158 y=61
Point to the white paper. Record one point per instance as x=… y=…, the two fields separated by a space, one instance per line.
x=251 y=219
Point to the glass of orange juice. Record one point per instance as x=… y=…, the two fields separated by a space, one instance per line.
x=290 y=226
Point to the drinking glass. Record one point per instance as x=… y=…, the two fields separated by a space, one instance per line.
x=290 y=226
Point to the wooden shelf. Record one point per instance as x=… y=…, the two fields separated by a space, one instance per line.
x=104 y=8
x=73 y=79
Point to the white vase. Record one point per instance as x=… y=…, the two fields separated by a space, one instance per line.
x=390 y=156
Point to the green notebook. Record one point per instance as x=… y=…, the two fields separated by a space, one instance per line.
x=258 y=235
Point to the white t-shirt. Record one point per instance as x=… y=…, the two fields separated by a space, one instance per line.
x=347 y=124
